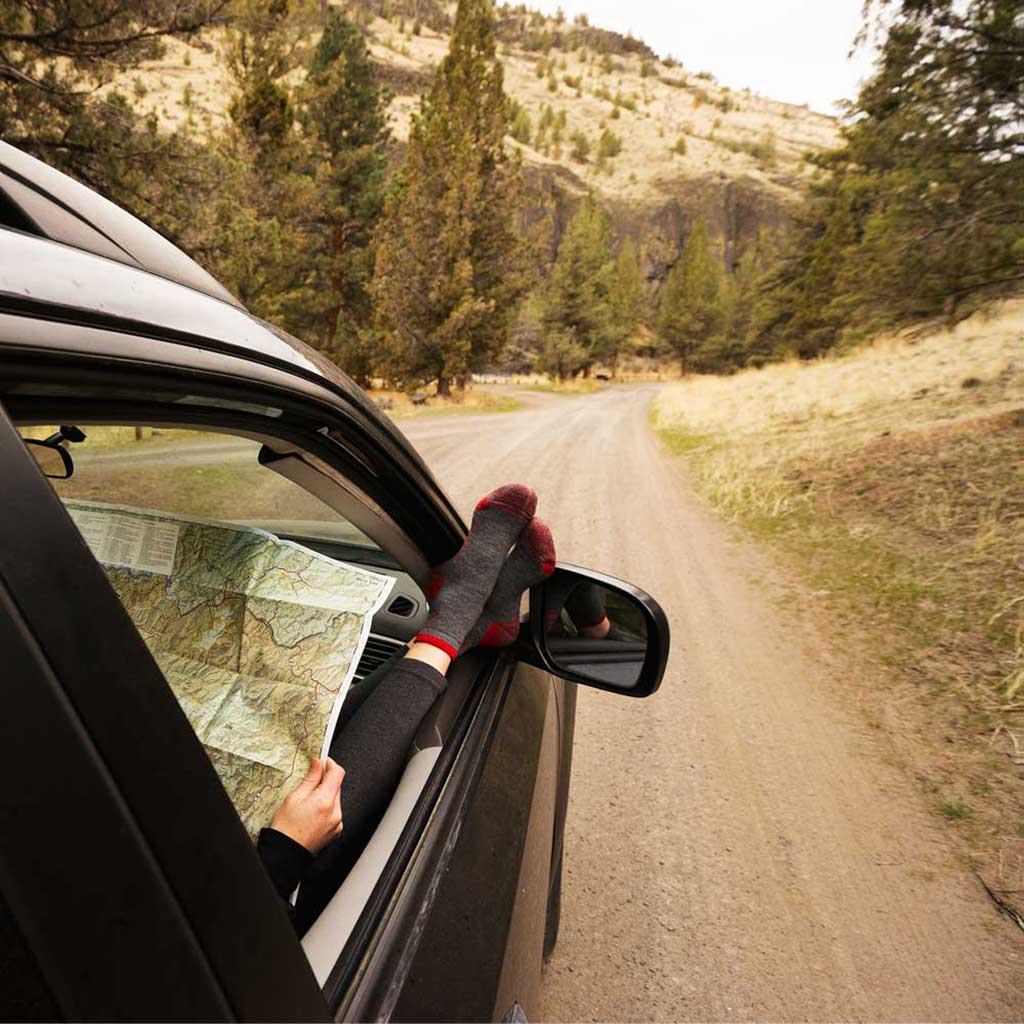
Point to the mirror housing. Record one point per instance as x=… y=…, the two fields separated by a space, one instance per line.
x=629 y=660
x=51 y=457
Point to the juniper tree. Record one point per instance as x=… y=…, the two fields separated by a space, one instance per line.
x=449 y=265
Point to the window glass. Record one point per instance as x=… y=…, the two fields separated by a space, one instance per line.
x=257 y=634
x=200 y=474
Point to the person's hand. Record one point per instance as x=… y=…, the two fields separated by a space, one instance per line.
x=311 y=812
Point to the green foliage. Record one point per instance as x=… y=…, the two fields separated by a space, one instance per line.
x=580 y=151
x=345 y=119
x=54 y=57
x=680 y=146
x=922 y=213
x=628 y=300
x=609 y=145
x=449 y=267
x=576 y=303
x=521 y=128
x=689 y=311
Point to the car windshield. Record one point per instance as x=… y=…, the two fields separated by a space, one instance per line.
x=194 y=474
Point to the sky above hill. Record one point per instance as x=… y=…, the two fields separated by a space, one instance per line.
x=792 y=50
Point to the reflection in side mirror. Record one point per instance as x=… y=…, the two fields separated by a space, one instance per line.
x=592 y=629
x=52 y=458
x=598 y=632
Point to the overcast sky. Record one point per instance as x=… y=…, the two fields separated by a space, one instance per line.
x=793 y=50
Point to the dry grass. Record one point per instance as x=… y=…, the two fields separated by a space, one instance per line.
x=894 y=477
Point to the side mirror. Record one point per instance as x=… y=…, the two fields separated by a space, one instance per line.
x=596 y=630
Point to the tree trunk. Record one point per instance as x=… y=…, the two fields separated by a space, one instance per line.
x=444 y=387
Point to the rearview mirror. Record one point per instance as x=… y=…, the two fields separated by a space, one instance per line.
x=51 y=457
x=596 y=630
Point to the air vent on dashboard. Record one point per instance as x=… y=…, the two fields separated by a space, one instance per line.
x=402 y=606
x=378 y=650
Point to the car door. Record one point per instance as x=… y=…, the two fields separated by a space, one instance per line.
x=124 y=869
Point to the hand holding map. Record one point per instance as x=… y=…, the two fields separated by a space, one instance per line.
x=258 y=638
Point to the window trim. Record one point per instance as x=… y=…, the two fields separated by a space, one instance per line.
x=224 y=892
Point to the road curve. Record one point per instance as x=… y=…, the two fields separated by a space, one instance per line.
x=736 y=849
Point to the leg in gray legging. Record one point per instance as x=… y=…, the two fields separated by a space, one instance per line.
x=375 y=732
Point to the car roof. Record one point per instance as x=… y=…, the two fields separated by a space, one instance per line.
x=45 y=202
x=67 y=253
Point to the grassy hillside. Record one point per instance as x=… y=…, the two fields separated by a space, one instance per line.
x=649 y=105
x=894 y=479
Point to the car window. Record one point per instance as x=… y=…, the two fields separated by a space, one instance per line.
x=257 y=635
x=203 y=474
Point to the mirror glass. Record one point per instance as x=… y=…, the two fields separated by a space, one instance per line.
x=52 y=458
x=597 y=631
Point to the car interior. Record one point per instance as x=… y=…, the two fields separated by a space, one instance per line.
x=223 y=474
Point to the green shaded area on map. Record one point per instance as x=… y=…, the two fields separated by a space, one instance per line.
x=257 y=637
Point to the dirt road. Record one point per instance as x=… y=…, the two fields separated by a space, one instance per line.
x=737 y=846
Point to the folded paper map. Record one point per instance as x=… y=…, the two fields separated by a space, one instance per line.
x=258 y=637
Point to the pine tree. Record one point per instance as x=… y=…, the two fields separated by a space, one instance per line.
x=577 y=301
x=449 y=267
x=922 y=212
x=55 y=56
x=628 y=297
x=258 y=233
x=344 y=115
x=689 y=310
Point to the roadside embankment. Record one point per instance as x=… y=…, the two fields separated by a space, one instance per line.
x=893 y=478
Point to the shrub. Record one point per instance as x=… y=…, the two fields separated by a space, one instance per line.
x=615 y=114
x=646 y=69
x=521 y=129
x=580 y=151
x=680 y=146
x=609 y=145
x=139 y=88
x=574 y=81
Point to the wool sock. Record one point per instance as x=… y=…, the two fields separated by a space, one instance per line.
x=532 y=561
x=459 y=587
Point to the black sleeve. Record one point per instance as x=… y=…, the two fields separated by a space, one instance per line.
x=284 y=859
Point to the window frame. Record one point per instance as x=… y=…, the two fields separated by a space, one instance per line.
x=386 y=931
x=157 y=820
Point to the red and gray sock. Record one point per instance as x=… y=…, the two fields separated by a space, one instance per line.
x=532 y=561
x=459 y=588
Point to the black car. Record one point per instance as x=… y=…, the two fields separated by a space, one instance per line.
x=129 y=888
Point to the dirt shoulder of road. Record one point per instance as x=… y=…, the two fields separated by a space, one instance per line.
x=892 y=481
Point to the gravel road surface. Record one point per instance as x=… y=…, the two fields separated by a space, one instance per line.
x=737 y=847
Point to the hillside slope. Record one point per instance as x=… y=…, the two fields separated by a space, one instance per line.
x=689 y=147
